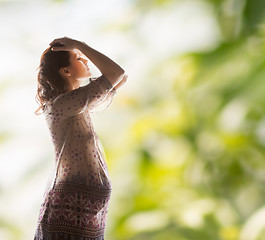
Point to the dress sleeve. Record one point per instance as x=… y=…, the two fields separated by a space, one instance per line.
x=104 y=104
x=97 y=91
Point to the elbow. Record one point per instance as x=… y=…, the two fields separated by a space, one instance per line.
x=118 y=73
x=121 y=73
x=116 y=76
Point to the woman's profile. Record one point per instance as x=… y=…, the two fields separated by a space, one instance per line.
x=75 y=202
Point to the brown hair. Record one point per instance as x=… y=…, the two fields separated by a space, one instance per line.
x=50 y=82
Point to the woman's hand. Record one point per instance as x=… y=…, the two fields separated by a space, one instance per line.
x=64 y=44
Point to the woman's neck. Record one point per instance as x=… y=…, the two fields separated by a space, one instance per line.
x=73 y=84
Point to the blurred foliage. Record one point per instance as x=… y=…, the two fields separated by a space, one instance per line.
x=199 y=164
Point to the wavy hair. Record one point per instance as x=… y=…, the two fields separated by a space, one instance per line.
x=50 y=82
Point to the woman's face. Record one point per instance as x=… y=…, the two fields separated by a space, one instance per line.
x=78 y=68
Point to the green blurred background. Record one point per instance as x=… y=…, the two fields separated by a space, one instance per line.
x=185 y=137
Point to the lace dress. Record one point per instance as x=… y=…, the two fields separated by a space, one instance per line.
x=75 y=202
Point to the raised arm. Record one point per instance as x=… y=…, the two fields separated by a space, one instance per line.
x=111 y=70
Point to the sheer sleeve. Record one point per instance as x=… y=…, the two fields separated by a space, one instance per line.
x=97 y=91
x=105 y=103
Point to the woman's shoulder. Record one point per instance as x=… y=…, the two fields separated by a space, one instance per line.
x=51 y=103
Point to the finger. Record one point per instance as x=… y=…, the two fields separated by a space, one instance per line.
x=57 y=46
x=58 y=41
x=58 y=49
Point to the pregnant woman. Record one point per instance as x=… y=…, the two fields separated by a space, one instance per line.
x=75 y=202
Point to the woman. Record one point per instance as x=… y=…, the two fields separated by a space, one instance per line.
x=75 y=202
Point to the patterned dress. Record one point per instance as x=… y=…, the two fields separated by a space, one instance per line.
x=75 y=202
